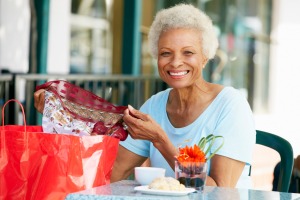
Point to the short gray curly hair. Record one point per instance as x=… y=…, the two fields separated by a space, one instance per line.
x=184 y=16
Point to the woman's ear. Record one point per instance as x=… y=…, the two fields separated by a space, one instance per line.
x=204 y=62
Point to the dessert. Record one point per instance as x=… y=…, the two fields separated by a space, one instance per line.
x=166 y=183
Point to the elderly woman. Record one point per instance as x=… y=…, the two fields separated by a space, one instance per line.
x=182 y=38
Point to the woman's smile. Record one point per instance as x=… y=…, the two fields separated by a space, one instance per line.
x=178 y=74
x=180 y=58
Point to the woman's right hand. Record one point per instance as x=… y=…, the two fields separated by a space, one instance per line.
x=39 y=100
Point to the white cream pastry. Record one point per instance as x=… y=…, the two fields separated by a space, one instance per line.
x=166 y=183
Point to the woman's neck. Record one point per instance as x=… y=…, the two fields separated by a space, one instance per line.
x=187 y=104
x=185 y=97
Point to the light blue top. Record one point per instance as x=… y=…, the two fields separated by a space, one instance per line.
x=228 y=115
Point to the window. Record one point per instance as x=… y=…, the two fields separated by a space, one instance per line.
x=91 y=42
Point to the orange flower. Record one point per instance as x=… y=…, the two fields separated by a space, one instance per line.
x=197 y=153
x=191 y=154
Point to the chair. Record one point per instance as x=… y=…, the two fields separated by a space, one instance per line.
x=285 y=150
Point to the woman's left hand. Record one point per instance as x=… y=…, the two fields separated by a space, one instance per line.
x=141 y=126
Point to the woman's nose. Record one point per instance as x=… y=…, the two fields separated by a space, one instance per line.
x=176 y=61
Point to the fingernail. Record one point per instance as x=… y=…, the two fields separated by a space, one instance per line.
x=130 y=107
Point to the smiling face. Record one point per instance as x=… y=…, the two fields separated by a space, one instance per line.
x=180 y=59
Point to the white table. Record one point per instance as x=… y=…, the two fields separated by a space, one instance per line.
x=124 y=190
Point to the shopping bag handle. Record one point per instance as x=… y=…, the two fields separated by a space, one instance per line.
x=23 y=113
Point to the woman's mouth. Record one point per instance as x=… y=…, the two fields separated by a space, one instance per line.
x=178 y=73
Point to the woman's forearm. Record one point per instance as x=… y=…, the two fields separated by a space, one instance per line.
x=167 y=149
x=210 y=181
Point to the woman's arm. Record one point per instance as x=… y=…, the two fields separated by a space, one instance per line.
x=125 y=163
x=224 y=171
x=236 y=124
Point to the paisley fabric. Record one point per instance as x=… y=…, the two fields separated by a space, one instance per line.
x=58 y=120
x=70 y=109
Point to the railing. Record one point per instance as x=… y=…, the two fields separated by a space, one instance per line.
x=6 y=82
x=117 y=89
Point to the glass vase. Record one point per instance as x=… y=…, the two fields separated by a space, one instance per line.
x=191 y=174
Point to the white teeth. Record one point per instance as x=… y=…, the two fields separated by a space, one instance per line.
x=178 y=73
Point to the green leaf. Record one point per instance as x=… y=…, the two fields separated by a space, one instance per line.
x=213 y=153
x=211 y=140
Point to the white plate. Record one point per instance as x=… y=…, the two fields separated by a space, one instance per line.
x=145 y=189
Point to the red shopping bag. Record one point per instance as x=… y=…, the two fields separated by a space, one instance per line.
x=36 y=165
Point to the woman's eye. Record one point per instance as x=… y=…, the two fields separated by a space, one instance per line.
x=165 y=54
x=188 y=53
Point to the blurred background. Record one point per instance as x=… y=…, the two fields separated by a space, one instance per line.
x=104 y=43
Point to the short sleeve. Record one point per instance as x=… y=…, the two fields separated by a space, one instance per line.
x=236 y=125
x=140 y=147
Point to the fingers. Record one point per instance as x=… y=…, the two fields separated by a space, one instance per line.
x=139 y=125
x=137 y=114
x=39 y=100
x=37 y=93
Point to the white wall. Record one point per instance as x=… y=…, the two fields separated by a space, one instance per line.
x=14 y=35
x=59 y=37
x=284 y=118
